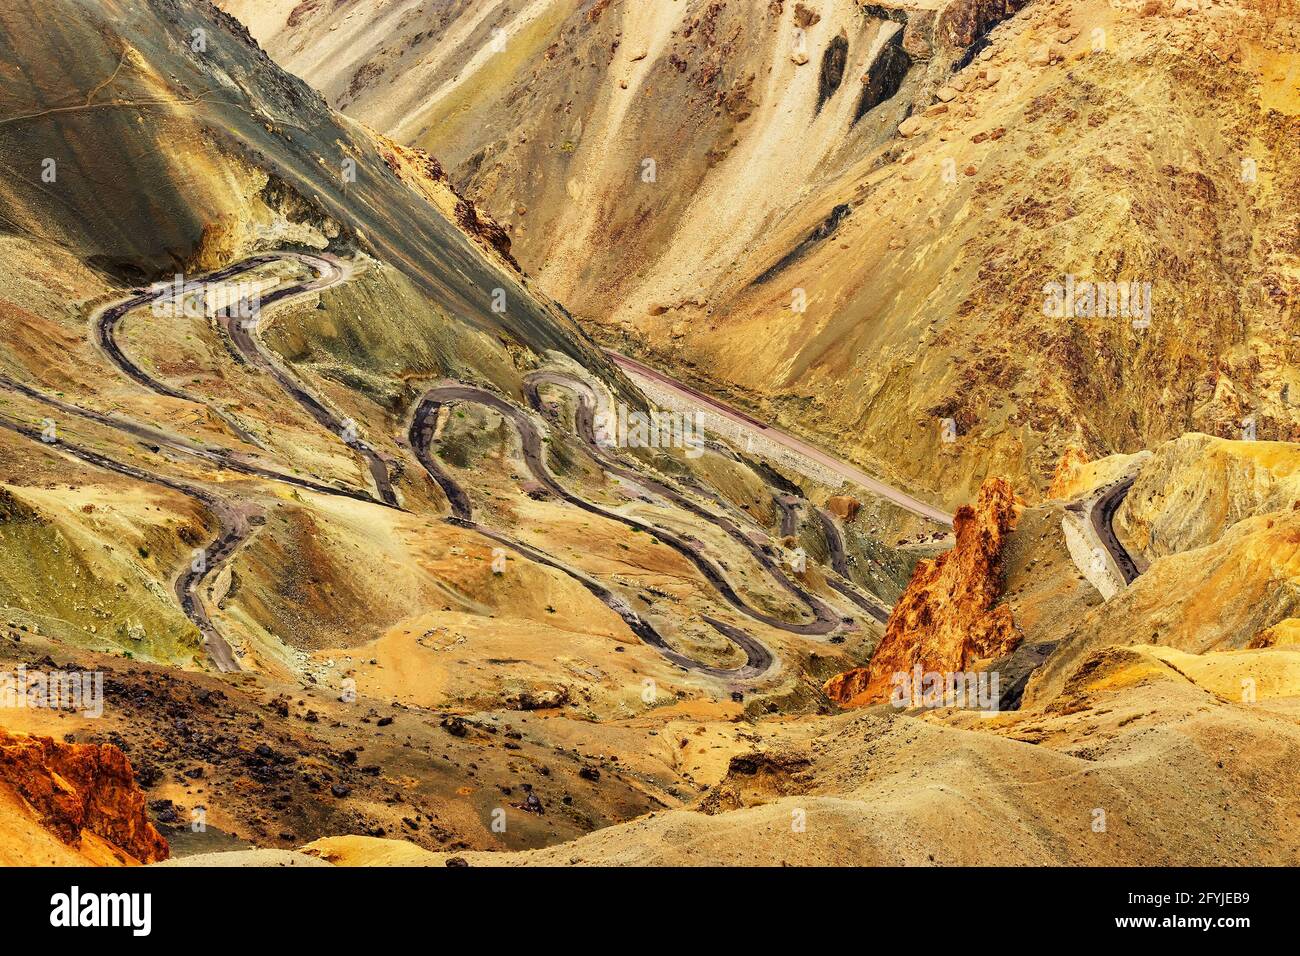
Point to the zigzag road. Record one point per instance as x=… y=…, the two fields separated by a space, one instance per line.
x=758 y=659
x=233 y=521
x=585 y=421
x=825 y=619
x=245 y=336
x=104 y=325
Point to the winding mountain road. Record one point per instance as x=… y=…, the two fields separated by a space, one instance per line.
x=826 y=617
x=758 y=659
x=245 y=335
x=789 y=508
x=154 y=439
x=599 y=453
x=105 y=325
x=1103 y=511
x=840 y=562
x=234 y=522
x=234 y=530
x=1103 y=522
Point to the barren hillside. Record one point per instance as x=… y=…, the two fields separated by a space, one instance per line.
x=900 y=546
x=864 y=276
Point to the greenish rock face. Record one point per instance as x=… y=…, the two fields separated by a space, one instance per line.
x=199 y=133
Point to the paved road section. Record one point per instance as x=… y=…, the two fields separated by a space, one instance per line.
x=245 y=335
x=234 y=529
x=156 y=439
x=841 y=468
x=233 y=520
x=758 y=659
x=1103 y=521
x=105 y=325
x=840 y=562
x=585 y=422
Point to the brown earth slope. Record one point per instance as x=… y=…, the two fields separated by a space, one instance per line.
x=403 y=680
x=1153 y=734
x=1143 y=767
x=861 y=279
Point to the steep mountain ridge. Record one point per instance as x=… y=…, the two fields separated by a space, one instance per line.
x=227 y=155
x=154 y=136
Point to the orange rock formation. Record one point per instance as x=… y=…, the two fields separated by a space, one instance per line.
x=81 y=788
x=948 y=618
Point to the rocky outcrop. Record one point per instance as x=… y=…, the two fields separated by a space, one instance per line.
x=885 y=75
x=280 y=216
x=539 y=699
x=401 y=159
x=1067 y=471
x=756 y=778
x=848 y=685
x=422 y=172
x=962 y=23
x=75 y=789
x=949 y=617
x=948 y=28
x=1194 y=489
x=805 y=17
x=1282 y=634
x=844 y=507
x=484 y=228
x=14 y=511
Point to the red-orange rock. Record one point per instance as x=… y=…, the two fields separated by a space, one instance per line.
x=843 y=507
x=848 y=685
x=81 y=788
x=948 y=617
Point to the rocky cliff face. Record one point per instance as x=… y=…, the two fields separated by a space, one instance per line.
x=948 y=618
x=1065 y=481
x=76 y=789
x=1192 y=490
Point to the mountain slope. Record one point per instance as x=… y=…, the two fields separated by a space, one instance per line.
x=879 y=285
x=366 y=565
x=224 y=154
